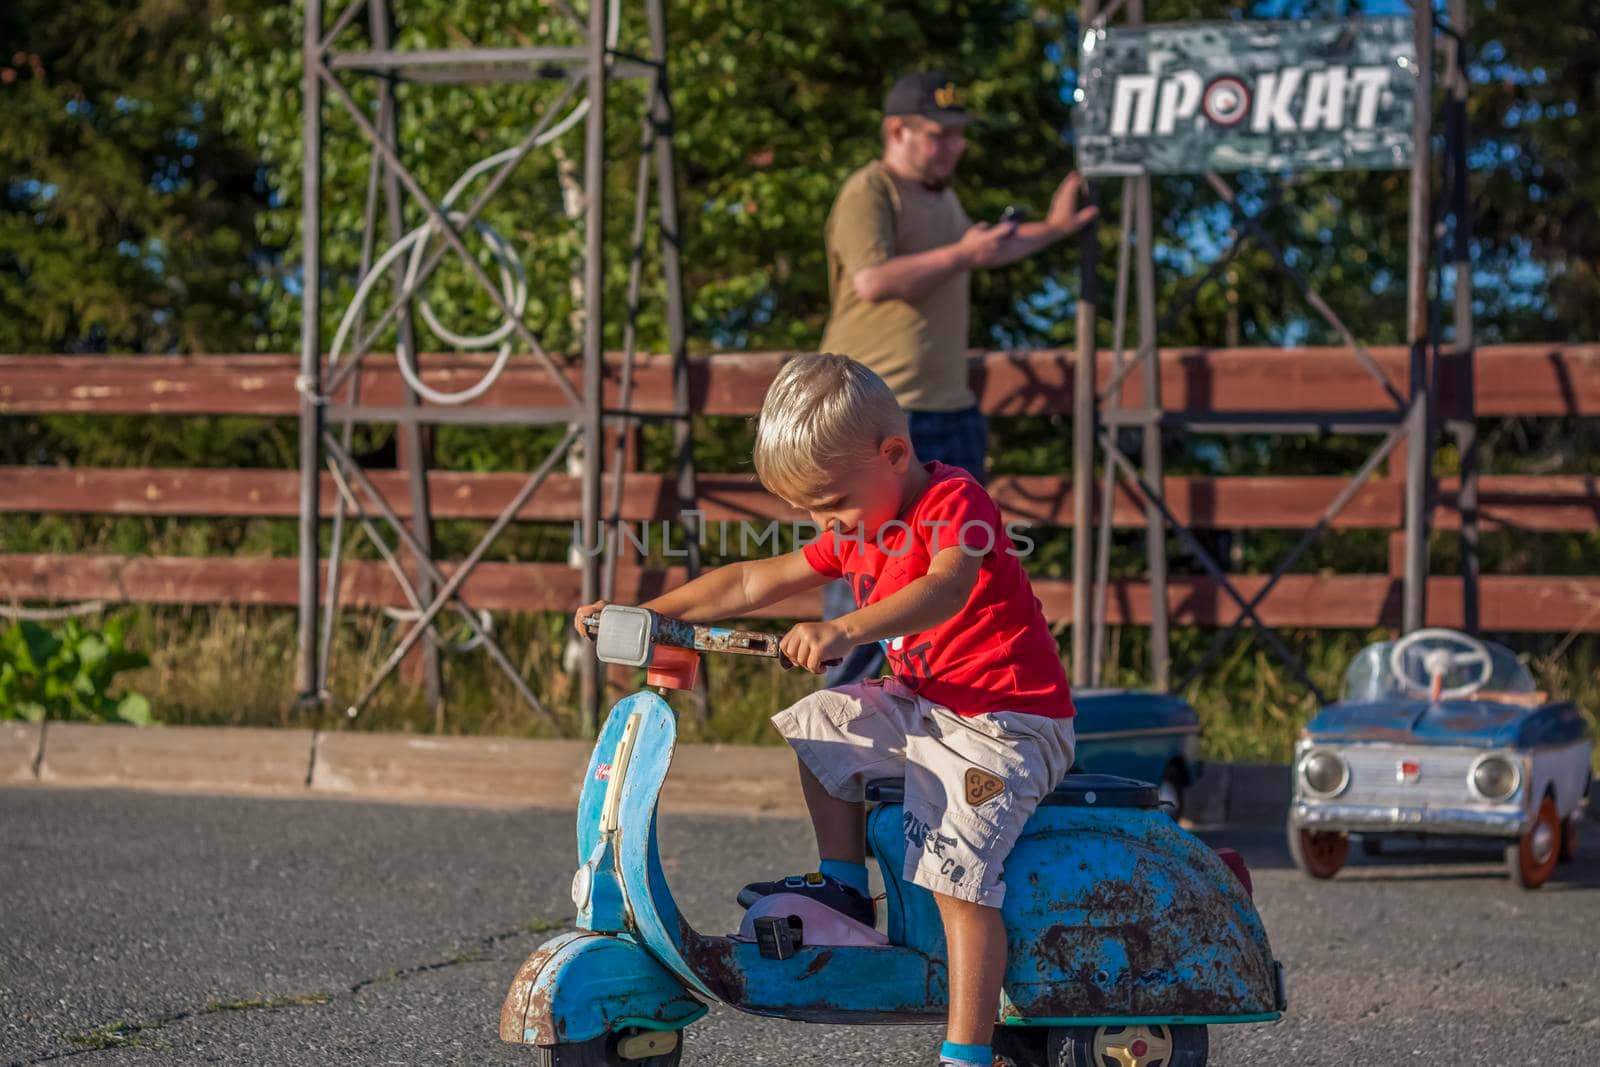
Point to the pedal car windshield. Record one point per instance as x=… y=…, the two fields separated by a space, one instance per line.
x=1371 y=676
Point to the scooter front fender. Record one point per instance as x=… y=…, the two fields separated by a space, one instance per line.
x=580 y=985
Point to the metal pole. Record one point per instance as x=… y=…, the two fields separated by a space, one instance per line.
x=1465 y=427
x=1155 y=530
x=412 y=451
x=310 y=352
x=1083 y=427
x=1108 y=477
x=677 y=333
x=594 y=172
x=1417 y=250
x=672 y=271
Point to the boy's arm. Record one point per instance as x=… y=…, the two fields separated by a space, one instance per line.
x=738 y=589
x=729 y=592
x=921 y=605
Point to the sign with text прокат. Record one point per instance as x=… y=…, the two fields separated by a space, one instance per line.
x=1222 y=96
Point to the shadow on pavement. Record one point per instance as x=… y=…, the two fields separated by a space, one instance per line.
x=1404 y=860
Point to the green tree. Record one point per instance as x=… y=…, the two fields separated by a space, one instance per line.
x=126 y=215
x=775 y=103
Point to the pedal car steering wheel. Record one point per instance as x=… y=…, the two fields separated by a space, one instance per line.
x=1459 y=651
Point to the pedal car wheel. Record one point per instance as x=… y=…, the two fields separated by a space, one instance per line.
x=1318 y=853
x=1533 y=856
x=1129 y=1046
x=615 y=1050
x=1569 y=838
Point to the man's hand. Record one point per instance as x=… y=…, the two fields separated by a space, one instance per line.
x=583 y=613
x=813 y=645
x=1065 y=216
x=985 y=246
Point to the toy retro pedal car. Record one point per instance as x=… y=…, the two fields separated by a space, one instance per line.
x=1153 y=737
x=1440 y=734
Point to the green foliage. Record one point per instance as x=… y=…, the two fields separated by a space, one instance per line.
x=775 y=104
x=125 y=212
x=69 y=674
x=1534 y=108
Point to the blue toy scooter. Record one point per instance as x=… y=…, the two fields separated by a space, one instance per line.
x=1127 y=936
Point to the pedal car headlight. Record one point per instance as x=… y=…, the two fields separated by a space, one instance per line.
x=1324 y=773
x=1494 y=777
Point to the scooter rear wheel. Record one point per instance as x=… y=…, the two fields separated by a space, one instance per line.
x=1129 y=1046
x=606 y=1051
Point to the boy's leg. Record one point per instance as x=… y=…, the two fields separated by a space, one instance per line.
x=840 y=825
x=977 y=939
x=843 y=738
x=971 y=785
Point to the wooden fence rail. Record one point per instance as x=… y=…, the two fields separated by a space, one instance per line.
x=1525 y=380
x=1539 y=380
x=1528 y=503
x=1510 y=603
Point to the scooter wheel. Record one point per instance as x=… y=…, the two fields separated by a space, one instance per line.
x=611 y=1050
x=1129 y=1046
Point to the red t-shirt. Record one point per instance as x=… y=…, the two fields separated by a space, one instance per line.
x=996 y=653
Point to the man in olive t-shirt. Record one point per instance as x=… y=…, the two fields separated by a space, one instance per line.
x=901 y=251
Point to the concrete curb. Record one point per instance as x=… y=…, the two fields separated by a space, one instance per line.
x=492 y=772
x=19 y=751
x=194 y=758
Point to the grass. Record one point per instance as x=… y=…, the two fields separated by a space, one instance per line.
x=236 y=666
x=119 y=1034
x=293 y=1000
x=124 y=1033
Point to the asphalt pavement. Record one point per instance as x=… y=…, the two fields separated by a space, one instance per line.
x=146 y=929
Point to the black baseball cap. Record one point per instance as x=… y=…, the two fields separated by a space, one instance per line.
x=931 y=94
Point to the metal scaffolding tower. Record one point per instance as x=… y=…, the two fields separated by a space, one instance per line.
x=1407 y=421
x=329 y=383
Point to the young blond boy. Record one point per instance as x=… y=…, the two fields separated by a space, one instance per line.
x=976 y=715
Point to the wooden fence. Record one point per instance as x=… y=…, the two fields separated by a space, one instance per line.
x=1507 y=380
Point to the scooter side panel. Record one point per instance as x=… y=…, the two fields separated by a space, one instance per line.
x=580 y=985
x=654 y=913
x=824 y=983
x=1109 y=913
x=598 y=777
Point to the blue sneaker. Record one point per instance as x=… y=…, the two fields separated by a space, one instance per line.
x=844 y=899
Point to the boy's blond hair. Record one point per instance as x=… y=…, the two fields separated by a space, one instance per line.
x=822 y=416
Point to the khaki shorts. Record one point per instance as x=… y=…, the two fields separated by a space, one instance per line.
x=971 y=783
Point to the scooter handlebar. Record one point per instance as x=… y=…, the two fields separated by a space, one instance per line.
x=675 y=633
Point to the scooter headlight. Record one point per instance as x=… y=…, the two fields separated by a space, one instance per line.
x=1495 y=778
x=582 y=886
x=1324 y=773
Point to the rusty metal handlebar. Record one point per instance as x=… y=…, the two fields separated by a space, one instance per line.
x=675 y=633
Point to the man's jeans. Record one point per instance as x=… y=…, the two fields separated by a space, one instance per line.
x=959 y=438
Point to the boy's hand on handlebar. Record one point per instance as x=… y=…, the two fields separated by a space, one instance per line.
x=813 y=645
x=583 y=613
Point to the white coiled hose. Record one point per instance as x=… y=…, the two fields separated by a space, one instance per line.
x=513 y=278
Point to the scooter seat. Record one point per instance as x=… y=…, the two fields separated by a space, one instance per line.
x=1075 y=791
